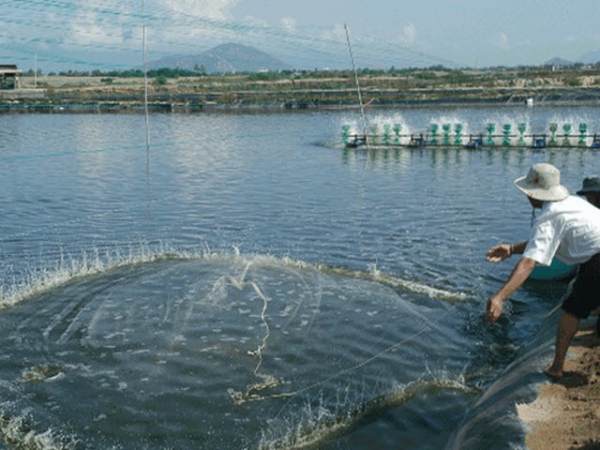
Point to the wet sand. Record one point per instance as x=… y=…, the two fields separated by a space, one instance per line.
x=566 y=414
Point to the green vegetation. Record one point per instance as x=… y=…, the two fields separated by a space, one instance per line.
x=298 y=89
x=432 y=72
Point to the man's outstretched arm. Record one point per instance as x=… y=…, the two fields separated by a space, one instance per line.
x=518 y=276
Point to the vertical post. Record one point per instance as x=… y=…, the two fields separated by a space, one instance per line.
x=345 y=133
x=145 y=77
x=522 y=127
x=506 y=132
x=458 y=129
x=397 y=128
x=446 y=129
x=362 y=108
x=35 y=70
x=582 y=133
x=490 y=137
x=567 y=131
x=386 y=133
x=146 y=114
x=434 y=133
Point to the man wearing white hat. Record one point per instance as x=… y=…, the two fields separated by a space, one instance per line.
x=568 y=228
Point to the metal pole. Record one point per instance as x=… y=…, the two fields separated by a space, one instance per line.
x=362 y=108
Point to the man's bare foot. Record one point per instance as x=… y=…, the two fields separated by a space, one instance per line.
x=554 y=374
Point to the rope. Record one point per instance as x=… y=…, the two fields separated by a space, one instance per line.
x=240 y=398
x=268 y=381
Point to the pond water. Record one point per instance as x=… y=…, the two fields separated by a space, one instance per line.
x=245 y=282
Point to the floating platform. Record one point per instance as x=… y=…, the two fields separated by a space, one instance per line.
x=449 y=135
x=536 y=141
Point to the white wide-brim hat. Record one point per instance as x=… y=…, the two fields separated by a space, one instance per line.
x=543 y=183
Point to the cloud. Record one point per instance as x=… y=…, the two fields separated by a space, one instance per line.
x=502 y=41
x=337 y=33
x=176 y=19
x=288 y=24
x=210 y=9
x=253 y=21
x=409 y=34
x=88 y=29
x=172 y=25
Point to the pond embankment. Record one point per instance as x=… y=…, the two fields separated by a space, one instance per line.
x=281 y=92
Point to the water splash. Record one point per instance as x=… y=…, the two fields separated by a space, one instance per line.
x=70 y=267
x=326 y=420
x=499 y=130
x=17 y=432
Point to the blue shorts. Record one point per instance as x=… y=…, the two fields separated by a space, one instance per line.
x=585 y=296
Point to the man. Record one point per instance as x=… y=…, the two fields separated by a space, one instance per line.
x=591 y=190
x=568 y=228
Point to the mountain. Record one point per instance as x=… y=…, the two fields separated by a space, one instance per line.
x=558 y=62
x=590 y=58
x=223 y=58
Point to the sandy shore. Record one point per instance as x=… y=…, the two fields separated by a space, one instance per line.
x=566 y=414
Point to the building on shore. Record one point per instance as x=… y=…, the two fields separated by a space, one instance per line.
x=9 y=76
x=11 y=88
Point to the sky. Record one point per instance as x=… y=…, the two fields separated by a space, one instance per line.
x=307 y=34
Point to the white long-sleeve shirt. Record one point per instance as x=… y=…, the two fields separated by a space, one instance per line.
x=569 y=230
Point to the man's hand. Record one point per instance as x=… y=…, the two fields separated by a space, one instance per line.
x=499 y=253
x=518 y=276
x=494 y=308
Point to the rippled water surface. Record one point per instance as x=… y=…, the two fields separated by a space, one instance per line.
x=246 y=282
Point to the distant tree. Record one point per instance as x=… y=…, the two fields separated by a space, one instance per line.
x=572 y=81
x=439 y=67
x=32 y=73
x=200 y=69
x=160 y=80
